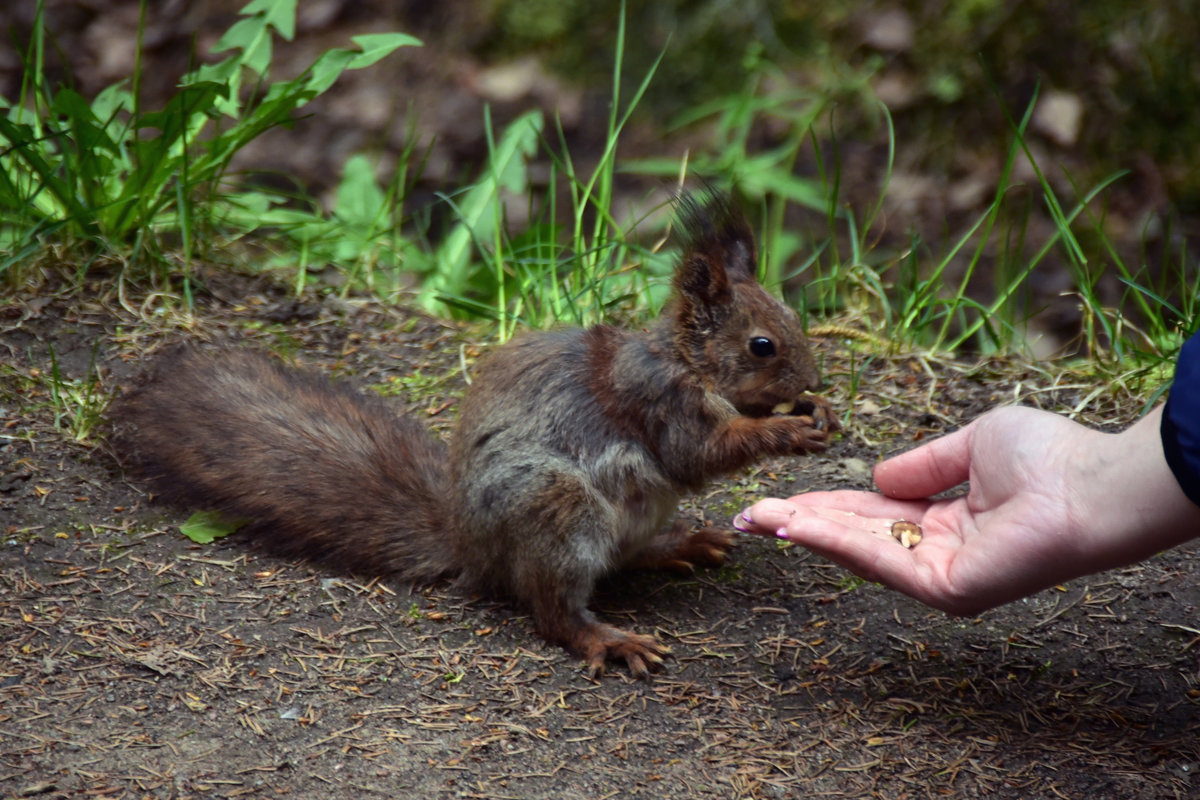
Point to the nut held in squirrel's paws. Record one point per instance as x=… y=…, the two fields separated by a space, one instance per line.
x=818 y=408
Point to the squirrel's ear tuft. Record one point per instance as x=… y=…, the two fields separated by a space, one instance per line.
x=718 y=253
x=719 y=248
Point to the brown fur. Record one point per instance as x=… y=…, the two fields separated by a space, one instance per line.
x=571 y=452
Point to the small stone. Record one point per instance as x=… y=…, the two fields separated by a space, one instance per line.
x=890 y=31
x=1058 y=117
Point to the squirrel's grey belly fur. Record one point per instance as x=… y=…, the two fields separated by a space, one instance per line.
x=552 y=437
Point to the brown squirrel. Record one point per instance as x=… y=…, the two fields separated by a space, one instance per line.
x=571 y=452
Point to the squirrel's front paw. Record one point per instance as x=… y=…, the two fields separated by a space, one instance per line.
x=810 y=424
x=819 y=410
x=803 y=434
x=681 y=550
x=706 y=547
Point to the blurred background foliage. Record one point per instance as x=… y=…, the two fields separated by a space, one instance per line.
x=1133 y=68
x=902 y=114
x=1129 y=72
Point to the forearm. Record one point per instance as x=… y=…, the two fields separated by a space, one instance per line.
x=740 y=441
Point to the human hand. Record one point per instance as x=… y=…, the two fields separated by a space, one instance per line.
x=1049 y=500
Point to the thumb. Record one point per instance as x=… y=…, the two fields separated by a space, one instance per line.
x=931 y=468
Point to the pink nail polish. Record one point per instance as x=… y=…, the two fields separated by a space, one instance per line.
x=742 y=522
x=782 y=533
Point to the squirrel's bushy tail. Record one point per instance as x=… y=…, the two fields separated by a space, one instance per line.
x=318 y=469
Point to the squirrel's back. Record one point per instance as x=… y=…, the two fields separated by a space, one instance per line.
x=319 y=469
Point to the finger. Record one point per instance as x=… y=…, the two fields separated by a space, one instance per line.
x=764 y=517
x=773 y=517
x=931 y=468
x=809 y=515
x=864 y=511
x=865 y=504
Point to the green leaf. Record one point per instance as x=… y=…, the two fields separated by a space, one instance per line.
x=108 y=107
x=667 y=167
x=280 y=14
x=253 y=39
x=176 y=116
x=359 y=199
x=158 y=158
x=328 y=68
x=802 y=191
x=479 y=214
x=205 y=526
x=375 y=46
x=88 y=132
x=54 y=198
x=227 y=73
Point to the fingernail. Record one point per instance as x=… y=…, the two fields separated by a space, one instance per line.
x=782 y=533
x=742 y=519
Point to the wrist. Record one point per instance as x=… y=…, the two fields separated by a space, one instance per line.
x=1129 y=504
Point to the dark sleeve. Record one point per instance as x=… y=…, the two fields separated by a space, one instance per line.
x=1181 y=420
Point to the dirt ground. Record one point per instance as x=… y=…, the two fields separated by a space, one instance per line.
x=138 y=664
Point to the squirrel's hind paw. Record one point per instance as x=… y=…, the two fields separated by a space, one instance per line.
x=601 y=643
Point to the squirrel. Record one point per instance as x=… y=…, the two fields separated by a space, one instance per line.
x=571 y=451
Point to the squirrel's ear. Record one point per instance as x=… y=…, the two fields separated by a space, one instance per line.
x=702 y=279
x=719 y=249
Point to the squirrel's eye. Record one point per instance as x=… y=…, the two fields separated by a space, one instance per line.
x=762 y=347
